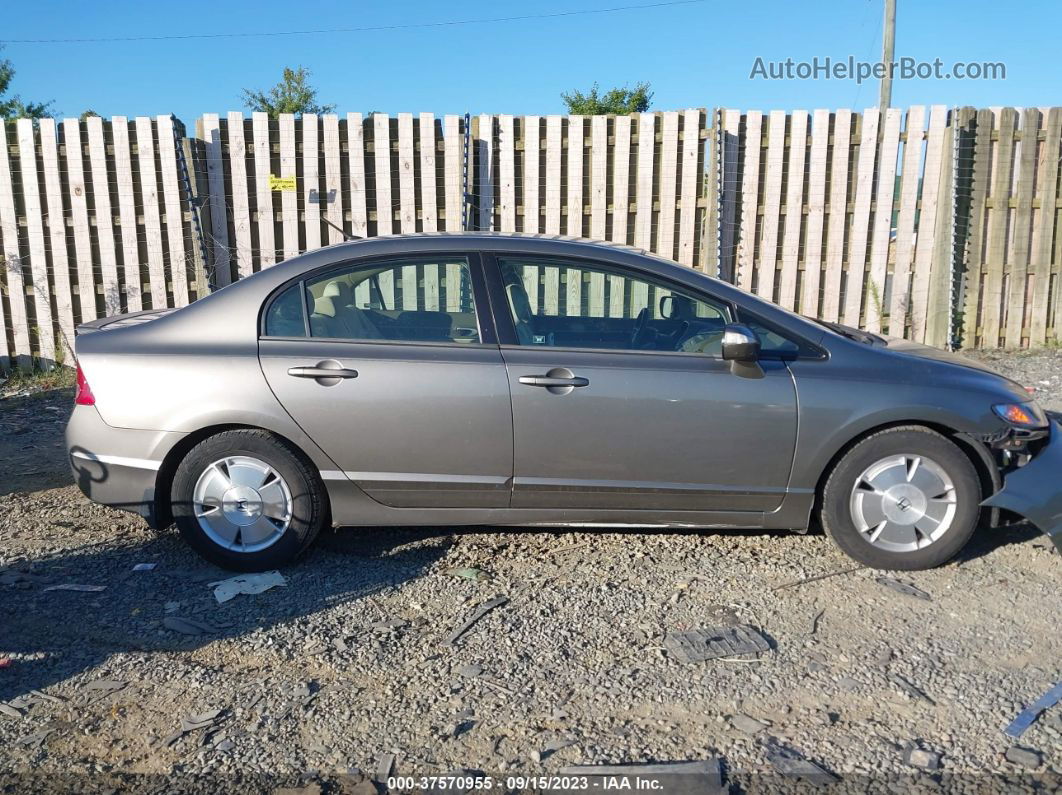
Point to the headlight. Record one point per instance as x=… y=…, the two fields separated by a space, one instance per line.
x=1022 y=415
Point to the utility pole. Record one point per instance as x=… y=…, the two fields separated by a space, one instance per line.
x=888 y=53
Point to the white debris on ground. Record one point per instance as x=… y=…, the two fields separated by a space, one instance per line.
x=251 y=584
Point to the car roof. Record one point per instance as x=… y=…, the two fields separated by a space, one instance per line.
x=497 y=240
x=492 y=235
x=524 y=242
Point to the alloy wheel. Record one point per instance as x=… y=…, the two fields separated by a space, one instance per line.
x=242 y=504
x=903 y=502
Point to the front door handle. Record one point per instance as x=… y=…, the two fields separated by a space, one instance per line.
x=558 y=381
x=327 y=373
x=546 y=380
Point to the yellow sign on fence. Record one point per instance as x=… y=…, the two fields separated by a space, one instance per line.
x=281 y=183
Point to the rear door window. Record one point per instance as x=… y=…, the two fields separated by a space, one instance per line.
x=426 y=300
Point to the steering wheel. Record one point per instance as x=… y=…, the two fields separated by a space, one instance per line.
x=679 y=336
x=641 y=324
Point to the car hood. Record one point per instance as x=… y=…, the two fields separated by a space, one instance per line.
x=908 y=348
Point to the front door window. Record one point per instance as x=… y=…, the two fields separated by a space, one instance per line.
x=576 y=305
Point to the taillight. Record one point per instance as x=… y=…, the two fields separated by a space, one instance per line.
x=83 y=396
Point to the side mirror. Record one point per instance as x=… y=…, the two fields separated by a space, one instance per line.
x=740 y=344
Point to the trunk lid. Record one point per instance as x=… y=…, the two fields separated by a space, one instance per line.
x=120 y=321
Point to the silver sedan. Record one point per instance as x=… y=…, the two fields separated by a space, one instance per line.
x=521 y=380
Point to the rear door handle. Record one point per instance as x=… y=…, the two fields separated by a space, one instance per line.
x=321 y=372
x=327 y=373
x=548 y=380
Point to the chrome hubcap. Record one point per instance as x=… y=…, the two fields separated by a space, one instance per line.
x=903 y=503
x=242 y=504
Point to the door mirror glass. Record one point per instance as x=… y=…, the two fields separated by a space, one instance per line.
x=740 y=344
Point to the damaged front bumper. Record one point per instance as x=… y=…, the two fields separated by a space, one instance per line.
x=1034 y=490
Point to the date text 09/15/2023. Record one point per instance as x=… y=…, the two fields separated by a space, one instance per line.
x=464 y=783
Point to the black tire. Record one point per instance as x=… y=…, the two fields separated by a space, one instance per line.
x=836 y=516
x=309 y=499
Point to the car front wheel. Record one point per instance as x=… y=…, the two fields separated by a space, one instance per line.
x=246 y=500
x=903 y=498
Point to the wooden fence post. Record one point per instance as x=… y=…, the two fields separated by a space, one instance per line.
x=195 y=180
x=1044 y=316
x=722 y=191
x=209 y=131
x=31 y=205
x=12 y=260
x=941 y=297
x=816 y=222
x=56 y=220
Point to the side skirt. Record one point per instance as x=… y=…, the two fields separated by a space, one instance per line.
x=353 y=508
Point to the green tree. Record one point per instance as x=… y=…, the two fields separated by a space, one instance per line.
x=12 y=107
x=620 y=101
x=292 y=94
x=87 y=113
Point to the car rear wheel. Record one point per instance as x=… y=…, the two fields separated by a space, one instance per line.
x=903 y=498
x=246 y=500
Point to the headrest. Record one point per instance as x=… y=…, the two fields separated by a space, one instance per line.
x=324 y=306
x=677 y=307
x=339 y=292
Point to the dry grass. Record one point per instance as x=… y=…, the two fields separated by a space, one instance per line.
x=34 y=381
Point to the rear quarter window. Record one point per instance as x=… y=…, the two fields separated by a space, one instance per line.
x=284 y=318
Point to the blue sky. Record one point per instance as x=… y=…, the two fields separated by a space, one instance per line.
x=699 y=54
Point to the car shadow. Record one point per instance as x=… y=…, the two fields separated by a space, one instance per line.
x=53 y=635
x=987 y=540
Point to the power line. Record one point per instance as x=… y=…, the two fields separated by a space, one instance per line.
x=365 y=29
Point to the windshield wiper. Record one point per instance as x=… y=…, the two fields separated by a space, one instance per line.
x=852 y=333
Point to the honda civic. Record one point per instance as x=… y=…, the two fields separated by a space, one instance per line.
x=511 y=380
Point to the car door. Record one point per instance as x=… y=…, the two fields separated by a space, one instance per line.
x=621 y=398
x=393 y=369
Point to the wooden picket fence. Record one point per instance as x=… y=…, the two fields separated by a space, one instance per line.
x=93 y=222
x=842 y=216
x=1008 y=167
x=940 y=225
x=936 y=225
x=637 y=180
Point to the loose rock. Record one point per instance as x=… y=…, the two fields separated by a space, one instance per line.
x=1024 y=757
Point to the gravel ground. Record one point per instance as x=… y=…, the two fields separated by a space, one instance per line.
x=349 y=663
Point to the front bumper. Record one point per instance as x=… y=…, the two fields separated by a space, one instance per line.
x=1034 y=490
